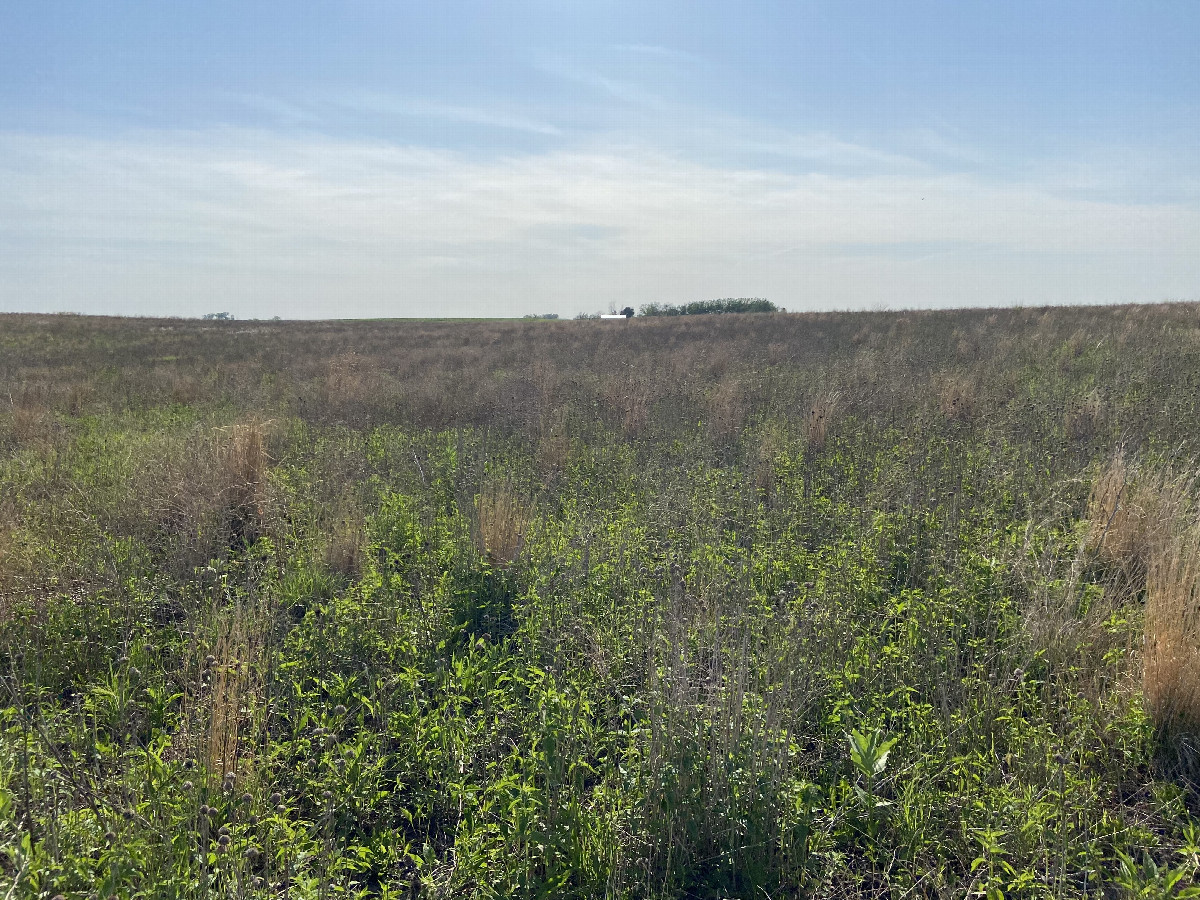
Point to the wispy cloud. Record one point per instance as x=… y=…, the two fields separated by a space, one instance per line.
x=330 y=111
x=404 y=107
x=624 y=90
x=820 y=150
x=670 y=54
x=274 y=109
x=261 y=224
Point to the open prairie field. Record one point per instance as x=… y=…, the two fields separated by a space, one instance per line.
x=891 y=604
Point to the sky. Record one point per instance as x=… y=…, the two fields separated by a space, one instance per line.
x=370 y=159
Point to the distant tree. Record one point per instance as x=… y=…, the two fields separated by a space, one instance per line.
x=709 y=307
x=221 y=316
x=627 y=312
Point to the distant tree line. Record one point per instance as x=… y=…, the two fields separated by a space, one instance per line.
x=704 y=307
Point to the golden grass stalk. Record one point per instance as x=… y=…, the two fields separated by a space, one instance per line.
x=727 y=408
x=344 y=547
x=554 y=444
x=502 y=520
x=771 y=443
x=957 y=399
x=30 y=422
x=820 y=414
x=1106 y=502
x=1171 y=662
x=8 y=553
x=225 y=705
x=1085 y=418
x=247 y=464
x=227 y=695
x=1133 y=515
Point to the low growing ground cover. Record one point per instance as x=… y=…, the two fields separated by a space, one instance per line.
x=842 y=605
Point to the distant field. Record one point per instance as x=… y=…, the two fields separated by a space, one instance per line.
x=893 y=604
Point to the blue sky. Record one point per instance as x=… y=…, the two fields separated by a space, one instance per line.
x=473 y=158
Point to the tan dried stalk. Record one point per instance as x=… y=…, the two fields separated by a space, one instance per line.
x=1084 y=420
x=30 y=422
x=554 y=444
x=502 y=520
x=343 y=549
x=727 y=408
x=246 y=467
x=1171 y=663
x=771 y=443
x=820 y=414
x=1133 y=514
x=956 y=399
x=225 y=700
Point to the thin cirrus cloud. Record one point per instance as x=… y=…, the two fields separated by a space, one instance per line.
x=303 y=226
x=406 y=108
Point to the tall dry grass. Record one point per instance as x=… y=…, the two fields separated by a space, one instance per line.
x=957 y=398
x=343 y=550
x=727 y=407
x=502 y=519
x=553 y=445
x=246 y=466
x=771 y=444
x=1134 y=513
x=1171 y=656
x=1085 y=418
x=205 y=491
x=31 y=422
x=820 y=416
x=9 y=551
x=220 y=707
x=1142 y=521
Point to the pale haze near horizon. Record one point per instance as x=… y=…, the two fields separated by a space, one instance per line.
x=316 y=160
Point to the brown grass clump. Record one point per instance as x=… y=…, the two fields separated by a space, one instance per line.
x=79 y=395
x=206 y=491
x=1106 y=502
x=221 y=702
x=1143 y=522
x=186 y=389
x=956 y=399
x=554 y=444
x=1085 y=418
x=501 y=521
x=180 y=491
x=820 y=414
x=225 y=709
x=771 y=444
x=1171 y=664
x=1133 y=515
x=246 y=466
x=344 y=547
x=31 y=422
x=630 y=402
x=8 y=547
x=228 y=692
x=726 y=410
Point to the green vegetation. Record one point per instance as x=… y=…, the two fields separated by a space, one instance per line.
x=839 y=605
x=705 y=307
